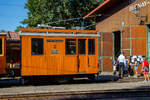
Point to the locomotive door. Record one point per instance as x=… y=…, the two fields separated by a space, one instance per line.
x=54 y=56
x=87 y=59
x=75 y=59
x=82 y=56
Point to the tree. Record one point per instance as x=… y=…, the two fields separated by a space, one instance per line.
x=17 y=29
x=59 y=12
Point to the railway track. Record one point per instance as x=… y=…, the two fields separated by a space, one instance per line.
x=76 y=95
x=143 y=92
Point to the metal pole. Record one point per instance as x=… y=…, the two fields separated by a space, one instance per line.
x=102 y=52
x=130 y=42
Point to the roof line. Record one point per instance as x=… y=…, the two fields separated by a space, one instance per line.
x=96 y=9
x=56 y=30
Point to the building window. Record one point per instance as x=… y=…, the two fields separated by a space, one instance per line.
x=70 y=46
x=37 y=46
x=82 y=46
x=91 y=47
x=1 y=47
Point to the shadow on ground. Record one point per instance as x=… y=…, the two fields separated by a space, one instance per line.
x=99 y=79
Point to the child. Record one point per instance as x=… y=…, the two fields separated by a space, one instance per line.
x=145 y=69
x=136 y=67
x=126 y=67
x=114 y=64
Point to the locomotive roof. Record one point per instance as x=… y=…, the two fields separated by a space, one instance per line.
x=2 y=33
x=58 y=32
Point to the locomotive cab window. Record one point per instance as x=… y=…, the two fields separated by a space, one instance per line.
x=1 y=47
x=37 y=46
x=91 y=47
x=82 y=46
x=70 y=46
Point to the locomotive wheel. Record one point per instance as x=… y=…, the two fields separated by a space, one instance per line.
x=11 y=73
x=22 y=81
x=91 y=77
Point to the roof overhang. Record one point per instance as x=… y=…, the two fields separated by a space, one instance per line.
x=103 y=7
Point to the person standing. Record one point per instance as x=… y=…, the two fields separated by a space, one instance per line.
x=114 y=64
x=121 y=60
x=137 y=62
x=126 y=67
x=145 y=69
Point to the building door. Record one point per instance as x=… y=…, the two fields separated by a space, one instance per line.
x=106 y=51
x=134 y=40
x=117 y=43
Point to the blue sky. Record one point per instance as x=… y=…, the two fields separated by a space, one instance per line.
x=11 y=13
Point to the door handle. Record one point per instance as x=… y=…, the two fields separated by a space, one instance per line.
x=88 y=62
x=78 y=65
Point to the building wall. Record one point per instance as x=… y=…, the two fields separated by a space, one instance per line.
x=133 y=34
x=126 y=15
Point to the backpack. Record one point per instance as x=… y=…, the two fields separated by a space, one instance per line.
x=146 y=63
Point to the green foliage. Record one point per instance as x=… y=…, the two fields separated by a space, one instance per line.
x=17 y=29
x=52 y=12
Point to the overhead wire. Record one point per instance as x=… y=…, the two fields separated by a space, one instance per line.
x=78 y=18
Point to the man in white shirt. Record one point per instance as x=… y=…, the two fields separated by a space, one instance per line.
x=121 y=60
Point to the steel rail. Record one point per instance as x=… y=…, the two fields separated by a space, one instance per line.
x=114 y=93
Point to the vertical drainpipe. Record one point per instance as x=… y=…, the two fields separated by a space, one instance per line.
x=147 y=42
x=102 y=52
x=130 y=42
x=121 y=39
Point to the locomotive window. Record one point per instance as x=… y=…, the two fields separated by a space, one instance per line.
x=1 y=47
x=71 y=46
x=91 y=46
x=37 y=46
x=81 y=46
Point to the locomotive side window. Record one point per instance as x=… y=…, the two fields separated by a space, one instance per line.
x=1 y=47
x=91 y=47
x=82 y=46
x=70 y=46
x=37 y=46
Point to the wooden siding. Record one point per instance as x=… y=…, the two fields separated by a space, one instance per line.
x=59 y=64
x=3 y=56
x=106 y=51
x=135 y=40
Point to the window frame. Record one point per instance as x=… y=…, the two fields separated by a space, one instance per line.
x=2 y=54
x=38 y=48
x=91 y=52
x=66 y=47
x=84 y=47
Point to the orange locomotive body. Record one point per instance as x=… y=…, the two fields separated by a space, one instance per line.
x=2 y=53
x=51 y=52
